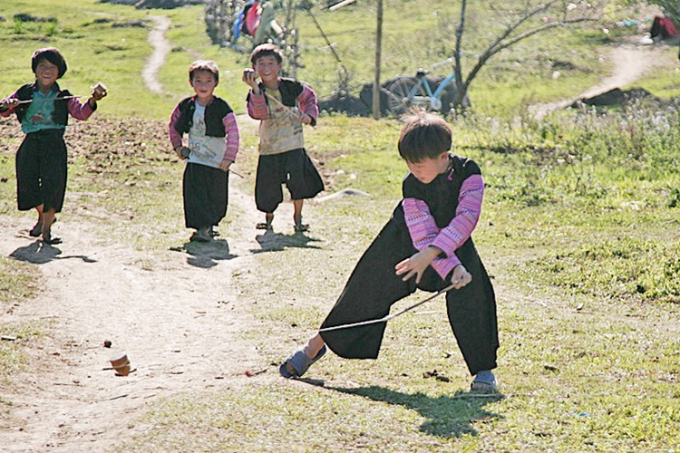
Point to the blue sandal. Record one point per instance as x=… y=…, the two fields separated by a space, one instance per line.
x=297 y=364
x=485 y=381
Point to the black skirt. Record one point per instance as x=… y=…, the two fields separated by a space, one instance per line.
x=41 y=169
x=206 y=195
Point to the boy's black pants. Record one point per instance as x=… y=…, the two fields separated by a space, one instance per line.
x=373 y=288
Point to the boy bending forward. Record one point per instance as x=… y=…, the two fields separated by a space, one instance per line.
x=426 y=245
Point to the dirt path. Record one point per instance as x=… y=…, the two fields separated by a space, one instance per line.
x=162 y=48
x=175 y=315
x=630 y=62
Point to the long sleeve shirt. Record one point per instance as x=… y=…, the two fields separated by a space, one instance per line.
x=425 y=232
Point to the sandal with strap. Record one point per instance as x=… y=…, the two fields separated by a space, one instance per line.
x=266 y=225
x=485 y=381
x=36 y=231
x=297 y=364
x=299 y=226
x=48 y=239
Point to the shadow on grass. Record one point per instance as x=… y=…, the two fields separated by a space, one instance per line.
x=40 y=253
x=277 y=242
x=206 y=254
x=447 y=416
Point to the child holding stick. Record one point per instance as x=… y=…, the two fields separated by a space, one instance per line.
x=213 y=144
x=43 y=108
x=426 y=245
x=283 y=105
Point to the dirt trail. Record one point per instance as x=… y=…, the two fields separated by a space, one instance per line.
x=631 y=61
x=162 y=48
x=175 y=314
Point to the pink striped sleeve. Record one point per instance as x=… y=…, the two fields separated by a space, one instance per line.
x=452 y=236
x=231 y=128
x=307 y=102
x=175 y=137
x=423 y=231
x=257 y=106
x=80 y=110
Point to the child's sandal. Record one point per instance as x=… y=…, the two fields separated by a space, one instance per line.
x=36 y=231
x=299 y=226
x=297 y=364
x=266 y=225
x=485 y=381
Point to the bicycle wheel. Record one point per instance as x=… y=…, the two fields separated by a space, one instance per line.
x=398 y=93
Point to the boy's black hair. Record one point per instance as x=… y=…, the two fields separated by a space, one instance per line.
x=424 y=135
x=264 y=50
x=52 y=55
x=204 y=65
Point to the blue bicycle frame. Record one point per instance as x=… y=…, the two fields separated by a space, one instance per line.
x=433 y=98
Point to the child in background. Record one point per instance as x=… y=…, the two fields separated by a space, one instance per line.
x=42 y=108
x=426 y=245
x=213 y=145
x=283 y=105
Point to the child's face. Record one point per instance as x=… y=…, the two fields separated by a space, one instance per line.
x=427 y=169
x=268 y=68
x=204 y=84
x=46 y=73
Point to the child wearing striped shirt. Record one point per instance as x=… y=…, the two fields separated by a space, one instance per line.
x=427 y=245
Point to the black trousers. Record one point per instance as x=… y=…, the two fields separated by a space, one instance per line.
x=294 y=169
x=41 y=169
x=373 y=288
x=206 y=195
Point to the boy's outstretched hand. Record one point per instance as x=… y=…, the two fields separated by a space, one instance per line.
x=460 y=277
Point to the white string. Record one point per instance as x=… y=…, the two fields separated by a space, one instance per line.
x=386 y=318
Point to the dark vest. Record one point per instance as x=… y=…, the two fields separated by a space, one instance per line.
x=214 y=114
x=60 y=112
x=290 y=89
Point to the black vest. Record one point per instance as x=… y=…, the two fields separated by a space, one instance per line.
x=60 y=112
x=214 y=114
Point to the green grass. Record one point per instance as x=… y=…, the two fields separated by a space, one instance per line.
x=18 y=285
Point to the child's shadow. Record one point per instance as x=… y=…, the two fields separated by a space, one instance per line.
x=277 y=242
x=447 y=416
x=40 y=253
x=206 y=254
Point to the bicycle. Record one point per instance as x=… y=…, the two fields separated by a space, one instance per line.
x=406 y=92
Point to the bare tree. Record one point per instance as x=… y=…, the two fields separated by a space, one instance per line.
x=531 y=20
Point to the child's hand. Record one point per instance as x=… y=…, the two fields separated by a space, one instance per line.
x=306 y=119
x=250 y=77
x=225 y=164
x=8 y=104
x=99 y=91
x=182 y=152
x=416 y=264
x=460 y=277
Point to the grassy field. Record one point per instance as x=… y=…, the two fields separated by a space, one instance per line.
x=579 y=232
